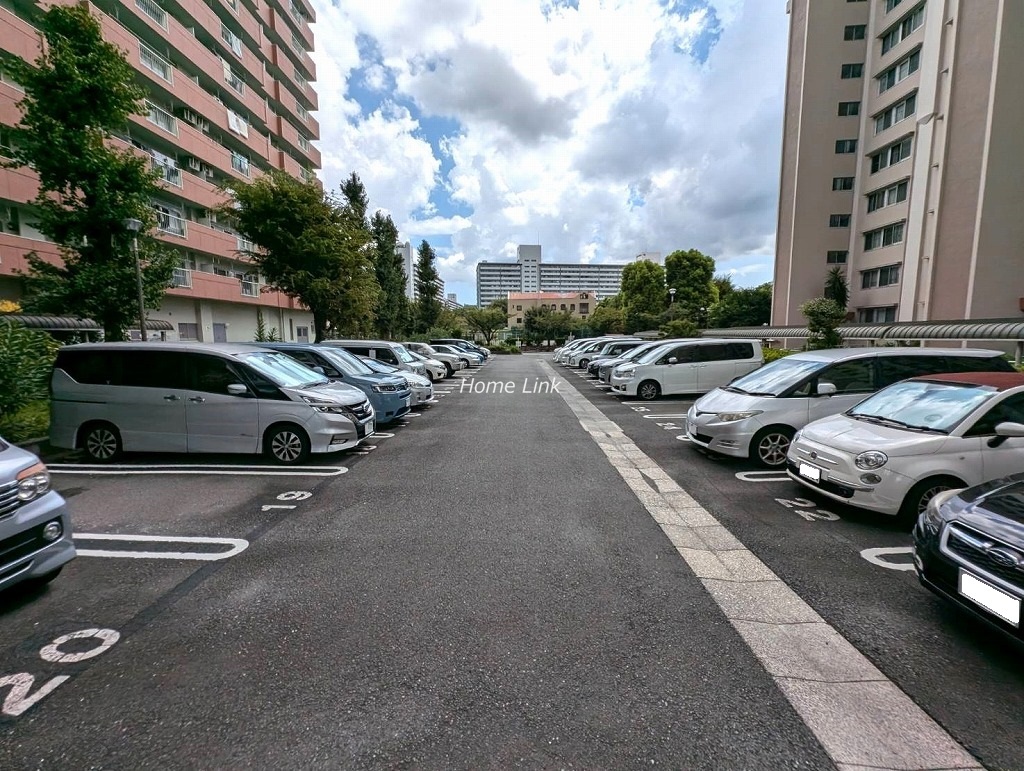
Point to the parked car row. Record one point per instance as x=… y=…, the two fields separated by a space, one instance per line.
x=934 y=436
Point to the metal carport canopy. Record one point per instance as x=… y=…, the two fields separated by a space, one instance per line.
x=982 y=329
x=70 y=324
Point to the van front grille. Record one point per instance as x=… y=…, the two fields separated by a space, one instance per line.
x=9 y=499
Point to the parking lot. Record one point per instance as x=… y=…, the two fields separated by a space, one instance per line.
x=467 y=586
x=854 y=568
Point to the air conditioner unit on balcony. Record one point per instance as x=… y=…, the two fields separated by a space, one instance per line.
x=191 y=116
x=193 y=163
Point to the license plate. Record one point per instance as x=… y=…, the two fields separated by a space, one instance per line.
x=807 y=471
x=995 y=601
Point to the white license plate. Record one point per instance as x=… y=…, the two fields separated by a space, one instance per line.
x=369 y=428
x=807 y=471
x=996 y=601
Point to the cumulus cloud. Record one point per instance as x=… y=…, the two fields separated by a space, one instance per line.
x=598 y=129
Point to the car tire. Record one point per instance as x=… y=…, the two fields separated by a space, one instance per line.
x=101 y=442
x=449 y=370
x=584 y=363
x=466 y=362
x=917 y=499
x=770 y=446
x=649 y=390
x=287 y=445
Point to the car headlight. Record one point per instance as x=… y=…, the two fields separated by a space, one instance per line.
x=730 y=417
x=33 y=482
x=319 y=406
x=871 y=459
x=383 y=388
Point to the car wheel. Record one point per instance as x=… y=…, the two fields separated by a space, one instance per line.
x=287 y=445
x=648 y=390
x=101 y=442
x=449 y=370
x=771 y=445
x=584 y=363
x=921 y=494
x=465 y=361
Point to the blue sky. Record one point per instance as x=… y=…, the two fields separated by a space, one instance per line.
x=597 y=128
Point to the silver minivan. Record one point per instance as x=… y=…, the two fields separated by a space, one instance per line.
x=109 y=398
x=385 y=351
x=756 y=416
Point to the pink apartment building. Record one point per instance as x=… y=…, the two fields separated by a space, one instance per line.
x=230 y=95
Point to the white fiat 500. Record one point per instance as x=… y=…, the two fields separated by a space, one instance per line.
x=897 y=449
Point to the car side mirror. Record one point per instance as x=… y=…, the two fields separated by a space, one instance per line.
x=826 y=389
x=237 y=389
x=1006 y=431
x=673 y=360
x=319 y=370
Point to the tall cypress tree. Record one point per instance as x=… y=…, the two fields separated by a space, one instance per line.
x=391 y=309
x=428 y=301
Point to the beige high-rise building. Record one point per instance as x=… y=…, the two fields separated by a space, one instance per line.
x=903 y=159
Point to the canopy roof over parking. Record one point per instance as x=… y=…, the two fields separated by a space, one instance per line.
x=70 y=324
x=980 y=329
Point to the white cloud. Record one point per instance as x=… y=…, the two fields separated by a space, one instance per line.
x=589 y=130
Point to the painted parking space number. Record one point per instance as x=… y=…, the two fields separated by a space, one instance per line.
x=804 y=508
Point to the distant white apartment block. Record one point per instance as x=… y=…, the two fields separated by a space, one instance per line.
x=407 y=253
x=494 y=280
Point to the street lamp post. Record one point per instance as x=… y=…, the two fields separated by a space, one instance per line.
x=672 y=295
x=135 y=226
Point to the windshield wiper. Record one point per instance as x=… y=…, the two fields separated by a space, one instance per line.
x=881 y=420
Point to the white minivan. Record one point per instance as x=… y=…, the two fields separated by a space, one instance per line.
x=686 y=367
x=109 y=398
x=756 y=416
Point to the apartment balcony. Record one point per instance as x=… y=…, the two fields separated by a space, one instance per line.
x=281 y=27
x=302 y=90
x=14 y=248
x=287 y=20
x=206 y=285
x=287 y=132
x=289 y=164
x=238 y=12
x=19 y=38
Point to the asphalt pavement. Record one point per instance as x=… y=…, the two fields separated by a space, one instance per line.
x=485 y=588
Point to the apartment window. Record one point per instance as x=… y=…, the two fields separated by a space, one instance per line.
x=303 y=143
x=153 y=11
x=903 y=29
x=898 y=112
x=167 y=167
x=842 y=183
x=302 y=112
x=836 y=257
x=887 y=236
x=846 y=146
x=297 y=13
x=162 y=118
x=519 y=319
x=188 y=331
x=236 y=83
x=900 y=71
x=849 y=108
x=854 y=31
x=154 y=62
x=169 y=219
x=297 y=44
x=300 y=79
x=519 y=307
x=839 y=220
x=876 y=315
x=848 y=71
x=584 y=307
x=891 y=195
x=240 y=163
x=6 y=141
x=890 y=4
x=887 y=276
x=891 y=155
x=306 y=174
x=234 y=42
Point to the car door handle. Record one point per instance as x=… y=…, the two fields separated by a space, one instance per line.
x=196 y=399
x=171 y=398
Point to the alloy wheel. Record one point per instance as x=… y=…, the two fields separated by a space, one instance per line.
x=773 y=448
x=286 y=446
x=101 y=444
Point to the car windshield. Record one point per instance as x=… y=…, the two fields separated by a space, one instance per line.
x=636 y=353
x=427 y=350
x=344 y=361
x=403 y=355
x=283 y=370
x=772 y=379
x=923 y=405
x=379 y=366
x=654 y=354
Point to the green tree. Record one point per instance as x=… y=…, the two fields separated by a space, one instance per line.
x=691 y=273
x=836 y=287
x=78 y=93
x=26 y=361
x=309 y=248
x=487 y=320
x=536 y=323
x=680 y=328
x=724 y=285
x=823 y=316
x=428 y=304
x=608 y=317
x=392 y=310
x=354 y=194
x=643 y=294
x=743 y=308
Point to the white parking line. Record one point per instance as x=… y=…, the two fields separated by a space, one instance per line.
x=860 y=717
x=874 y=556
x=124 y=470
x=237 y=546
x=762 y=476
x=669 y=415
x=377 y=435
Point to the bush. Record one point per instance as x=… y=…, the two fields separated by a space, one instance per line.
x=774 y=354
x=26 y=362
x=30 y=422
x=507 y=348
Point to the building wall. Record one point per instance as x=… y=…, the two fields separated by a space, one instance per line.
x=230 y=84
x=494 y=280
x=579 y=304
x=962 y=232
